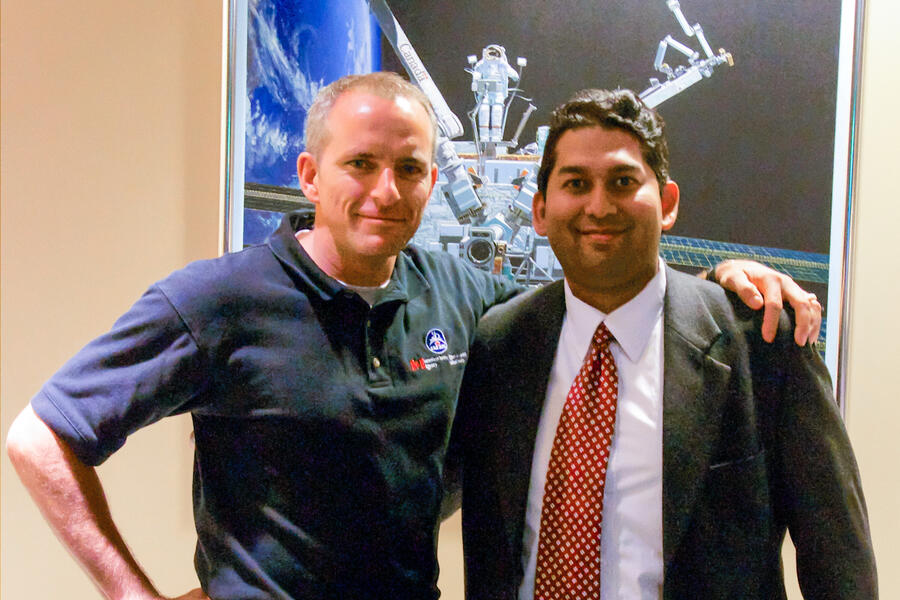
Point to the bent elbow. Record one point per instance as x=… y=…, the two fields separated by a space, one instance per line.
x=17 y=439
x=27 y=439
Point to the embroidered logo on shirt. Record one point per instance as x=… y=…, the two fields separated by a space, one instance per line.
x=433 y=362
x=435 y=341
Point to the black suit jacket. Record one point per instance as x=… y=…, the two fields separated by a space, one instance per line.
x=753 y=444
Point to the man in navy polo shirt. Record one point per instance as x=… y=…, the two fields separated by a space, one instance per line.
x=320 y=369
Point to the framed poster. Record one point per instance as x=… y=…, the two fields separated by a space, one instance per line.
x=759 y=100
x=280 y=53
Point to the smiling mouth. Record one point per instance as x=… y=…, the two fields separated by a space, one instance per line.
x=602 y=234
x=383 y=218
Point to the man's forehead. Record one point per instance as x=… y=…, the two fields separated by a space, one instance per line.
x=362 y=101
x=357 y=101
x=355 y=108
x=361 y=112
x=587 y=148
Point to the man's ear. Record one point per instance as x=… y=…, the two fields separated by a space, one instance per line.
x=434 y=176
x=538 y=207
x=669 y=198
x=308 y=174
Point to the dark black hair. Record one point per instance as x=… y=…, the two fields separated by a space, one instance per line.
x=622 y=109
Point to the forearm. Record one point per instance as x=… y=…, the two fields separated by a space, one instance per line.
x=71 y=498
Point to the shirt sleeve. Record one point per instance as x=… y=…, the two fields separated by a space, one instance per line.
x=497 y=289
x=146 y=367
x=817 y=479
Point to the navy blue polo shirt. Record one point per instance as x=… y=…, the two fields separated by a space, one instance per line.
x=321 y=423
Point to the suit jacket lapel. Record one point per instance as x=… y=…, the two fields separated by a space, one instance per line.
x=542 y=323
x=694 y=382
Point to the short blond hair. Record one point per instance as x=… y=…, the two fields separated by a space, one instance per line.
x=382 y=83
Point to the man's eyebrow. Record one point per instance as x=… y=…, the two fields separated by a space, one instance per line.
x=615 y=170
x=352 y=154
x=571 y=170
x=625 y=168
x=411 y=159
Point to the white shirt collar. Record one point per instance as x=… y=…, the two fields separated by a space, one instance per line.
x=631 y=323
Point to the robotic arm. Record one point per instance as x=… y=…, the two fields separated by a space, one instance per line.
x=682 y=77
x=460 y=194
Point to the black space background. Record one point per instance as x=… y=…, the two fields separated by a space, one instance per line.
x=752 y=147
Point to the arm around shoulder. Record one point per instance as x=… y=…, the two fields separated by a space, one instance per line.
x=761 y=287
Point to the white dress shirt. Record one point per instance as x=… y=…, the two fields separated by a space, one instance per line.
x=631 y=546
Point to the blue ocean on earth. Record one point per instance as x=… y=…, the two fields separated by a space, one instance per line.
x=296 y=47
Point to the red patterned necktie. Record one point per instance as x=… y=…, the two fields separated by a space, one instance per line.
x=568 y=558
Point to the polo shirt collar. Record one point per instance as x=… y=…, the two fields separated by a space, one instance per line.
x=406 y=282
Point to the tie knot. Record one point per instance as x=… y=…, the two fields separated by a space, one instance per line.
x=602 y=336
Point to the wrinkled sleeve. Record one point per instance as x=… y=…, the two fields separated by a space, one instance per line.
x=497 y=289
x=818 y=482
x=146 y=367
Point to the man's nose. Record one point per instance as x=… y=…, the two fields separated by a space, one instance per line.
x=385 y=190
x=600 y=203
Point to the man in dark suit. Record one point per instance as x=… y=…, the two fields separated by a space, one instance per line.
x=643 y=403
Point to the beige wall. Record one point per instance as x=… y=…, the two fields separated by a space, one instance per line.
x=110 y=158
x=873 y=413
x=110 y=149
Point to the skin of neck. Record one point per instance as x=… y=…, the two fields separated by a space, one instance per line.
x=366 y=271
x=607 y=298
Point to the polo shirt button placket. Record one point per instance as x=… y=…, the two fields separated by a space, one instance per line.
x=377 y=376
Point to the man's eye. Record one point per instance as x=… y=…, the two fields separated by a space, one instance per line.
x=409 y=170
x=575 y=185
x=624 y=181
x=359 y=163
